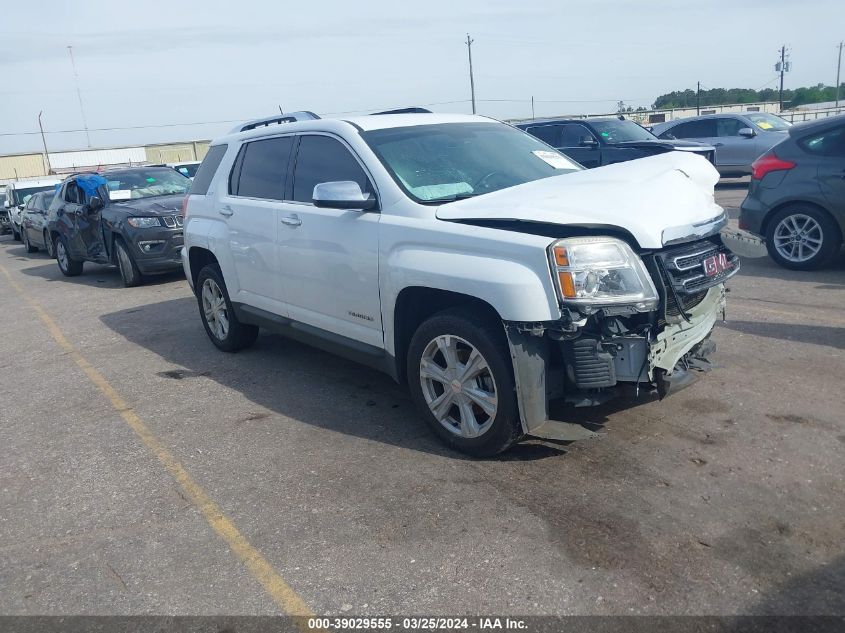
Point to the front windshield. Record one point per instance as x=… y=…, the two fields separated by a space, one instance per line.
x=449 y=161
x=145 y=183
x=613 y=132
x=23 y=195
x=768 y=122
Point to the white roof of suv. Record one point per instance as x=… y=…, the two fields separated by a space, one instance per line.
x=364 y=123
x=384 y=121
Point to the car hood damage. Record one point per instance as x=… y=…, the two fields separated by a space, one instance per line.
x=658 y=200
x=158 y=205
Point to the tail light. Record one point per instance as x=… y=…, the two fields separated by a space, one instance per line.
x=185 y=206
x=768 y=163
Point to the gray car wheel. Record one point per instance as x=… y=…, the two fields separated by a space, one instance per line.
x=27 y=244
x=802 y=237
x=128 y=268
x=49 y=246
x=70 y=267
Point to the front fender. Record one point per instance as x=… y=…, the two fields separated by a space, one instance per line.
x=517 y=290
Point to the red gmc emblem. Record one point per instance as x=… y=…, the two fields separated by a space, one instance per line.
x=715 y=264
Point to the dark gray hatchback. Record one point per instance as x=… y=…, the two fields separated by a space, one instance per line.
x=796 y=199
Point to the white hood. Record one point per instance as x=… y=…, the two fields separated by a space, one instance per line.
x=658 y=200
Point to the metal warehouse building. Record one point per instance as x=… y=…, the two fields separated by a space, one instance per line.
x=17 y=166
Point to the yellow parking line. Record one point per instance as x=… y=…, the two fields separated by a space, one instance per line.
x=258 y=566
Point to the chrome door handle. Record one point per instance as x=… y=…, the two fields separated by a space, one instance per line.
x=226 y=210
x=292 y=220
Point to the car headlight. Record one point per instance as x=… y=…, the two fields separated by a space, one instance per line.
x=601 y=271
x=144 y=223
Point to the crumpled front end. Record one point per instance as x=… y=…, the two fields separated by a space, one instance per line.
x=593 y=355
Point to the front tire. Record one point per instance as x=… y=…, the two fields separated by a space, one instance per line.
x=16 y=235
x=129 y=271
x=802 y=237
x=69 y=267
x=29 y=247
x=461 y=379
x=218 y=317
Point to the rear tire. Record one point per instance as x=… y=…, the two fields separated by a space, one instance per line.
x=218 y=317
x=49 y=246
x=459 y=367
x=69 y=267
x=29 y=247
x=129 y=271
x=802 y=237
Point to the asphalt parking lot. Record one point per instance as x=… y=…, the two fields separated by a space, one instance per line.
x=143 y=471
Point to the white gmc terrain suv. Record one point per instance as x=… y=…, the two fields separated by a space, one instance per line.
x=463 y=256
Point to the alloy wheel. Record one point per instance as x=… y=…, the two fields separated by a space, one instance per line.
x=458 y=386
x=798 y=238
x=214 y=308
x=61 y=255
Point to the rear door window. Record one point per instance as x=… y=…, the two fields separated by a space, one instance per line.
x=692 y=129
x=729 y=126
x=547 y=133
x=573 y=134
x=207 y=169
x=324 y=159
x=261 y=168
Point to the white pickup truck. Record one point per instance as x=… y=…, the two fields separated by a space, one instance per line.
x=461 y=255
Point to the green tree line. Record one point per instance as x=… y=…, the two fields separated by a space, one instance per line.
x=723 y=96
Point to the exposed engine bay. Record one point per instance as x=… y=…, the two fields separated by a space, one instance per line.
x=592 y=355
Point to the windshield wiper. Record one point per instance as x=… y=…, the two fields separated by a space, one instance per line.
x=451 y=198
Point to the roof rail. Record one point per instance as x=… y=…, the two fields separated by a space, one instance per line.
x=413 y=110
x=291 y=117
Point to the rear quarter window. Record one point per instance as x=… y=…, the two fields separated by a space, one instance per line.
x=827 y=143
x=205 y=174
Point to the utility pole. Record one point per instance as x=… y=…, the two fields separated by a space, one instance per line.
x=698 y=98
x=44 y=141
x=782 y=67
x=471 y=79
x=838 y=68
x=532 y=108
x=79 y=95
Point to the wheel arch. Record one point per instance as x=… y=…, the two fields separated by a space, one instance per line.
x=199 y=257
x=415 y=304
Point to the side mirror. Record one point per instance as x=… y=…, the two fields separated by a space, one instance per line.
x=588 y=141
x=7 y=204
x=342 y=194
x=747 y=132
x=95 y=204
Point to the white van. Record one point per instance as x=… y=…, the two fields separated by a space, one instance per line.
x=17 y=194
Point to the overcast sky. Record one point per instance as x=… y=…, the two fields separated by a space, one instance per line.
x=148 y=62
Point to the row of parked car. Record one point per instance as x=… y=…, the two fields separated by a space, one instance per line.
x=489 y=271
x=796 y=199
x=130 y=217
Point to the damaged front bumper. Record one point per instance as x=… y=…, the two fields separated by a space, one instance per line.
x=586 y=371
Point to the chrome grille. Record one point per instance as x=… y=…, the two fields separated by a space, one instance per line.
x=685 y=266
x=172 y=221
x=682 y=269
